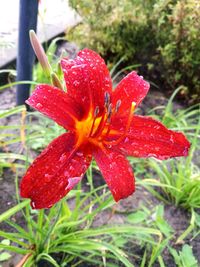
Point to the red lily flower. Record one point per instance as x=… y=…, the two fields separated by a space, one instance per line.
x=100 y=124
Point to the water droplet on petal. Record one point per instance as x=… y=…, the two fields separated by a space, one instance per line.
x=39 y=105
x=66 y=173
x=136 y=153
x=92 y=81
x=79 y=154
x=126 y=140
x=76 y=83
x=62 y=158
x=71 y=168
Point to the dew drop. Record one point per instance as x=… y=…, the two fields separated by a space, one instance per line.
x=63 y=158
x=157 y=127
x=66 y=173
x=76 y=83
x=39 y=105
x=71 y=168
x=79 y=154
x=126 y=140
x=172 y=138
x=136 y=153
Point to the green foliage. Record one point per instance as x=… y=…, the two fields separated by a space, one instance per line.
x=178 y=179
x=185 y=257
x=69 y=232
x=162 y=34
x=176 y=25
x=4 y=256
x=114 y=28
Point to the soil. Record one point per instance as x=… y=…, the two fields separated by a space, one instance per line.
x=178 y=218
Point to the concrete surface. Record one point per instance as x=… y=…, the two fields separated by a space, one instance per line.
x=54 y=17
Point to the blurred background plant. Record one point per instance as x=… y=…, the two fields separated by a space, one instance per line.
x=163 y=35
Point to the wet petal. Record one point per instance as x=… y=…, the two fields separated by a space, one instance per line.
x=117 y=172
x=54 y=172
x=87 y=79
x=132 y=88
x=150 y=138
x=55 y=104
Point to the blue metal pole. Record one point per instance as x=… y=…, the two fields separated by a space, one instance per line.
x=25 y=58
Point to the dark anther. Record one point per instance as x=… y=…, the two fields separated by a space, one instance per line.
x=96 y=111
x=109 y=112
x=107 y=99
x=118 y=104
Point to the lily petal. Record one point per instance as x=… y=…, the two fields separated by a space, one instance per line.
x=132 y=88
x=55 y=104
x=117 y=172
x=149 y=138
x=54 y=172
x=87 y=79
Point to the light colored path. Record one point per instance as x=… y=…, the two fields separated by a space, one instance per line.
x=55 y=17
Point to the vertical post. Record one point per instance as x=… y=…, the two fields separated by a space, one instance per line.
x=25 y=58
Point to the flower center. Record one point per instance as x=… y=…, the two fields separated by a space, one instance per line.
x=96 y=127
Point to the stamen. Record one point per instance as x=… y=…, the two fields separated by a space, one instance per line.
x=96 y=112
x=118 y=104
x=107 y=99
x=100 y=126
x=104 y=121
x=117 y=141
x=109 y=112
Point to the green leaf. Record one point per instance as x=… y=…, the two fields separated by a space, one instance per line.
x=4 y=256
x=7 y=214
x=161 y=223
x=187 y=257
x=137 y=217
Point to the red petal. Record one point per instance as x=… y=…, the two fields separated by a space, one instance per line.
x=55 y=104
x=54 y=172
x=150 y=138
x=117 y=172
x=87 y=79
x=131 y=89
